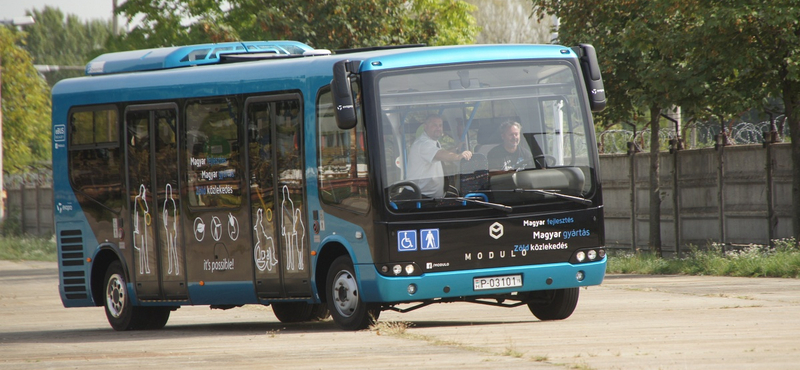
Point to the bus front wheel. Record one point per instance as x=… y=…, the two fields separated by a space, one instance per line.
x=555 y=304
x=120 y=311
x=349 y=312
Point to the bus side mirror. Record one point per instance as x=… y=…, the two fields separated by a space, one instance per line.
x=591 y=75
x=345 y=110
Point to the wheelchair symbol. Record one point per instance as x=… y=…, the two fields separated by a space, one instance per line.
x=407 y=240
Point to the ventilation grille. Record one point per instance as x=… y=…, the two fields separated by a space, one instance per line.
x=71 y=250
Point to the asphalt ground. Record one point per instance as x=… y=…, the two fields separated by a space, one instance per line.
x=629 y=322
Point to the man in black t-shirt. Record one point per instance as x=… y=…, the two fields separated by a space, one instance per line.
x=510 y=155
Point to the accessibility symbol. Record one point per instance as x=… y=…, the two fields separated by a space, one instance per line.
x=430 y=239
x=406 y=240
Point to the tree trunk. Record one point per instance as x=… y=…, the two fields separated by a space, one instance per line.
x=655 y=188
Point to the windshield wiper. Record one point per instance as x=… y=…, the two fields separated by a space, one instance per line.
x=573 y=198
x=497 y=206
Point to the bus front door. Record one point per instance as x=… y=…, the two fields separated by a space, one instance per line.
x=157 y=268
x=277 y=198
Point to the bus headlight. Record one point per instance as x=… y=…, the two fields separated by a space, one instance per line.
x=398 y=269
x=580 y=256
x=588 y=255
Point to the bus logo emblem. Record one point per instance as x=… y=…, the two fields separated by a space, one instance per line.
x=496 y=230
x=59 y=133
x=407 y=240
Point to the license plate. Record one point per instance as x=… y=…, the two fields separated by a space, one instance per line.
x=497 y=282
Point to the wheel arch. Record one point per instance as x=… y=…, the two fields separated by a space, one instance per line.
x=105 y=255
x=327 y=254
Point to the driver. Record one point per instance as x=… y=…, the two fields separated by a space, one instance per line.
x=425 y=158
x=510 y=155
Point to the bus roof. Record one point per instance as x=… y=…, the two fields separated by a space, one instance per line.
x=160 y=82
x=184 y=56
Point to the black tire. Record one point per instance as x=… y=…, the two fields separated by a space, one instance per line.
x=121 y=314
x=555 y=304
x=288 y=312
x=349 y=312
x=155 y=317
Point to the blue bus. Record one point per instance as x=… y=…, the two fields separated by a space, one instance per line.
x=272 y=173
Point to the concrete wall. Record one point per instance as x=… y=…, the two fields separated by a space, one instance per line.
x=734 y=210
x=32 y=205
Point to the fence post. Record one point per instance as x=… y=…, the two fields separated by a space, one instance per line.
x=38 y=212
x=22 y=207
x=676 y=203
x=633 y=202
x=632 y=150
x=770 y=138
x=721 y=141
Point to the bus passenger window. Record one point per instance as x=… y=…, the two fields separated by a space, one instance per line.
x=212 y=153
x=342 y=168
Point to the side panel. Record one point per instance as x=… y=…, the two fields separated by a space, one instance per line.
x=87 y=192
x=218 y=250
x=157 y=269
x=277 y=196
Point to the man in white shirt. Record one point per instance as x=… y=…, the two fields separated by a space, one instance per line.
x=425 y=158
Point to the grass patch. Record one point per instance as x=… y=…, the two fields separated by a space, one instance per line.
x=782 y=260
x=28 y=248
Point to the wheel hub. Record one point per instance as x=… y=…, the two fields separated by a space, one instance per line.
x=115 y=296
x=345 y=293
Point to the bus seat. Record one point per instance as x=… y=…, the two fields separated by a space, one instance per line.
x=488 y=138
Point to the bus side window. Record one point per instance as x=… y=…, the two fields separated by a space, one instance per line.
x=212 y=153
x=342 y=154
x=94 y=155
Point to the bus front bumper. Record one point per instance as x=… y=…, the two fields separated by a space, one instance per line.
x=378 y=288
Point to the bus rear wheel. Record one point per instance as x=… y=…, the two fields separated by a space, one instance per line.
x=555 y=304
x=349 y=312
x=288 y=312
x=120 y=311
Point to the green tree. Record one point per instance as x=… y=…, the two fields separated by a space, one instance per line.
x=718 y=57
x=64 y=41
x=26 y=106
x=754 y=47
x=320 y=23
x=643 y=65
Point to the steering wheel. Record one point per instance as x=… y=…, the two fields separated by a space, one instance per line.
x=404 y=190
x=548 y=160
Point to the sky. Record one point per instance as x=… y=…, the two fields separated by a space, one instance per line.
x=84 y=9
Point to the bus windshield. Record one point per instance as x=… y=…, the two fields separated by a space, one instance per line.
x=499 y=135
